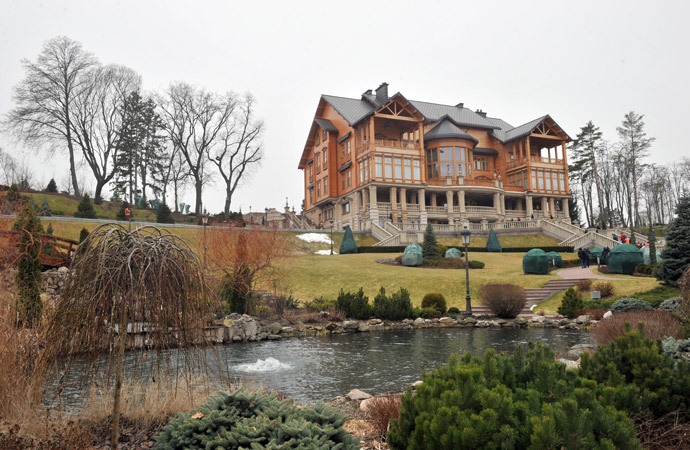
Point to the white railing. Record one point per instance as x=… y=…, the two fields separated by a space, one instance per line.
x=388 y=225
x=436 y=209
x=379 y=233
x=383 y=206
x=480 y=209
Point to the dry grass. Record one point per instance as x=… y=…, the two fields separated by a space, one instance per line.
x=584 y=285
x=605 y=288
x=657 y=325
x=381 y=410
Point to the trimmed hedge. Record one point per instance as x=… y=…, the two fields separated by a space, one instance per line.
x=401 y=248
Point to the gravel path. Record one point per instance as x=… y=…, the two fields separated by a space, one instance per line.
x=580 y=273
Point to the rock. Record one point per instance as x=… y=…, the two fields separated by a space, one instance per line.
x=521 y=321
x=563 y=322
x=577 y=350
x=350 y=325
x=63 y=270
x=607 y=314
x=228 y=323
x=374 y=321
x=356 y=394
x=273 y=337
x=470 y=320
x=407 y=321
x=416 y=383
x=583 y=319
x=363 y=327
x=446 y=320
x=365 y=405
x=419 y=321
x=537 y=319
x=331 y=326
x=247 y=318
x=286 y=330
x=570 y=365
x=251 y=329
x=274 y=328
x=482 y=324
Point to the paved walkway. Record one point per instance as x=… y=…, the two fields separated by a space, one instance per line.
x=580 y=273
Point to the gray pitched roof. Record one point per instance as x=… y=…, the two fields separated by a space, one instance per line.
x=522 y=130
x=503 y=126
x=327 y=125
x=351 y=109
x=448 y=130
x=485 y=151
x=462 y=116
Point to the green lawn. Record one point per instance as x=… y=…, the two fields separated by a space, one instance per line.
x=520 y=240
x=312 y=276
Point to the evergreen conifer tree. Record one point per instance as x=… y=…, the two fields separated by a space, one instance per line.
x=28 y=277
x=676 y=253
x=85 y=209
x=430 y=247
x=52 y=186
x=164 y=215
x=652 y=245
x=13 y=193
x=45 y=208
x=83 y=234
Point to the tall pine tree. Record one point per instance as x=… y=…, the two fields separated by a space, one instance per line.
x=585 y=148
x=676 y=253
x=635 y=145
x=430 y=247
x=140 y=158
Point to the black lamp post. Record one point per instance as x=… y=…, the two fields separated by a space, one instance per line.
x=266 y=217
x=204 y=221
x=331 y=222
x=465 y=234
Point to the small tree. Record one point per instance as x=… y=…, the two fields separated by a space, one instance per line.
x=52 y=186
x=83 y=234
x=430 y=247
x=164 y=215
x=676 y=253
x=45 y=208
x=652 y=245
x=572 y=302
x=28 y=277
x=123 y=277
x=85 y=209
x=121 y=214
x=13 y=193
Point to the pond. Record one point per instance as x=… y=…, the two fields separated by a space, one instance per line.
x=321 y=368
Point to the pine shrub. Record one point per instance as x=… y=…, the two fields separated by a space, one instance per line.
x=626 y=304
x=430 y=246
x=52 y=186
x=676 y=253
x=526 y=400
x=85 y=209
x=83 y=234
x=453 y=310
x=28 y=277
x=256 y=420
x=571 y=304
x=504 y=300
x=434 y=300
x=396 y=307
x=164 y=215
x=355 y=306
x=671 y=305
x=657 y=325
x=636 y=375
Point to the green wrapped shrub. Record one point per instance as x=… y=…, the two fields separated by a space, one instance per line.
x=492 y=244
x=348 y=245
x=256 y=420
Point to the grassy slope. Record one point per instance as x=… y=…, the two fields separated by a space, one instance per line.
x=522 y=240
x=312 y=276
x=67 y=206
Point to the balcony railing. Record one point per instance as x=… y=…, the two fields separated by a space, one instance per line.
x=480 y=209
x=394 y=143
x=540 y=159
x=454 y=181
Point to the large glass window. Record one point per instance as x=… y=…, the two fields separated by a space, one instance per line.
x=561 y=179
x=416 y=171
x=388 y=166
x=379 y=166
x=408 y=169
x=398 y=168
x=547 y=179
x=452 y=162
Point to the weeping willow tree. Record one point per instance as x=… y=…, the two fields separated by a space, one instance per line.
x=145 y=281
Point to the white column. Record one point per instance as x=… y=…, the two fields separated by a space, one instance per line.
x=529 y=206
x=449 y=201
x=461 y=201
x=497 y=205
x=544 y=207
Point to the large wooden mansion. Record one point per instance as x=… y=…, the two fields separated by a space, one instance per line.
x=385 y=161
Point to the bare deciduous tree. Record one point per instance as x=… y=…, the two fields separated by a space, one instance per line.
x=45 y=98
x=194 y=120
x=240 y=147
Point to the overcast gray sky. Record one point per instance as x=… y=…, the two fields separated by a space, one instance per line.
x=576 y=60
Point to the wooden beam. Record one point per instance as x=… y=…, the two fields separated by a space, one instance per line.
x=388 y=116
x=546 y=136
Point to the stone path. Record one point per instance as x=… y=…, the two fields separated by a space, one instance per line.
x=578 y=273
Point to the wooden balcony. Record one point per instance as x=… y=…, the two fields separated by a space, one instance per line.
x=394 y=143
x=455 y=181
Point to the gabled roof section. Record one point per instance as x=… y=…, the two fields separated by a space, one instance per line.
x=502 y=126
x=529 y=127
x=447 y=129
x=434 y=112
x=399 y=105
x=327 y=125
x=351 y=109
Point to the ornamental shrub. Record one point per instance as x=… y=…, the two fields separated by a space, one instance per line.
x=657 y=325
x=85 y=208
x=256 y=420
x=52 y=186
x=164 y=215
x=28 y=277
x=527 y=400
x=476 y=265
x=571 y=304
x=605 y=288
x=676 y=253
x=430 y=246
x=504 y=300
x=396 y=307
x=453 y=310
x=636 y=375
x=629 y=304
x=434 y=300
x=355 y=306
x=584 y=285
x=671 y=305
x=83 y=234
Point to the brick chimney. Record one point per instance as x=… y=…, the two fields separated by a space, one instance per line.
x=382 y=93
x=460 y=105
x=481 y=113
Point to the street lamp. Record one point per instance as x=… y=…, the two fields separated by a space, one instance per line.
x=465 y=234
x=331 y=221
x=266 y=217
x=204 y=221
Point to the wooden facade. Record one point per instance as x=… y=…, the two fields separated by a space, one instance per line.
x=387 y=161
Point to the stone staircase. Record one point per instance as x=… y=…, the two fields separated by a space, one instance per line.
x=534 y=296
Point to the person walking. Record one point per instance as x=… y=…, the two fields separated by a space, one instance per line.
x=587 y=256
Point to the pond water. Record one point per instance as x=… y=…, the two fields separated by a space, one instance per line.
x=321 y=368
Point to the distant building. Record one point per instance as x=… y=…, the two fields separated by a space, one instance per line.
x=385 y=159
x=272 y=218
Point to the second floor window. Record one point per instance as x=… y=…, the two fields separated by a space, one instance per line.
x=481 y=163
x=318 y=162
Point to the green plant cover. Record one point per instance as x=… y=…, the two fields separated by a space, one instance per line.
x=412 y=256
x=453 y=253
x=554 y=257
x=596 y=252
x=492 y=245
x=348 y=245
x=624 y=258
x=647 y=258
x=535 y=261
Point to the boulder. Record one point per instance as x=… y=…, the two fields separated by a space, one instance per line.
x=446 y=320
x=537 y=319
x=570 y=365
x=350 y=325
x=331 y=326
x=274 y=328
x=583 y=319
x=607 y=314
x=356 y=394
x=363 y=327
